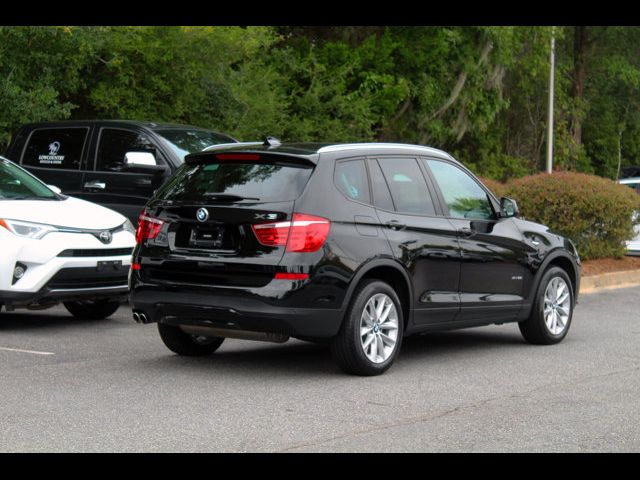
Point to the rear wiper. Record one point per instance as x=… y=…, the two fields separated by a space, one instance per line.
x=227 y=197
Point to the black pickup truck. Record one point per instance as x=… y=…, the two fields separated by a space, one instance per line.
x=115 y=163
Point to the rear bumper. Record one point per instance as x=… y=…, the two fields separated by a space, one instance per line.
x=237 y=309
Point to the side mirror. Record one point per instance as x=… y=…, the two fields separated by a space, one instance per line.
x=136 y=159
x=508 y=208
x=55 y=189
x=143 y=162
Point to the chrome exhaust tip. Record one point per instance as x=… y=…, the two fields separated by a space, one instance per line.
x=136 y=317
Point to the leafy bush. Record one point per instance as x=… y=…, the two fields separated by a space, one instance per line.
x=594 y=212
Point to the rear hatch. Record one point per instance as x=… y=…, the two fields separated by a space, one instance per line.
x=212 y=215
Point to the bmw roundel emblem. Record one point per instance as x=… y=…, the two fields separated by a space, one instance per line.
x=202 y=214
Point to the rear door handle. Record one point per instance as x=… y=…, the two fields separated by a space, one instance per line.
x=466 y=231
x=95 y=185
x=396 y=225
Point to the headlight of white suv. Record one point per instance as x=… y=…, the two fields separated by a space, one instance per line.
x=27 y=229
x=128 y=227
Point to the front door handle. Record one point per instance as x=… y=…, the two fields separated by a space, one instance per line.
x=396 y=225
x=95 y=185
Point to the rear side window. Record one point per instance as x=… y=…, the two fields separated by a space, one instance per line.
x=351 y=179
x=407 y=185
x=59 y=148
x=381 y=195
x=115 y=144
x=265 y=182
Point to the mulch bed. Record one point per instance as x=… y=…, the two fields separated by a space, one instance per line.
x=608 y=265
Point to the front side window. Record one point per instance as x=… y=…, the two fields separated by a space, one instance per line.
x=462 y=194
x=114 y=146
x=407 y=185
x=351 y=179
x=59 y=148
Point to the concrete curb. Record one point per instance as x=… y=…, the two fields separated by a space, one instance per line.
x=607 y=281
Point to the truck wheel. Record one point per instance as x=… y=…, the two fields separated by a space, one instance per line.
x=371 y=333
x=552 y=309
x=185 y=344
x=92 y=309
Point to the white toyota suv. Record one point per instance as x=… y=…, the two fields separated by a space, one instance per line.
x=633 y=245
x=55 y=248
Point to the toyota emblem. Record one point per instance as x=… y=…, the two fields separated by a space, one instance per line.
x=202 y=214
x=105 y=237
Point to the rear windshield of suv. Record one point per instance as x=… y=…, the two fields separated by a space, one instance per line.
x=264 y=182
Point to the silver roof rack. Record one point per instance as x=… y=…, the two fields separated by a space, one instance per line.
x=353 y=146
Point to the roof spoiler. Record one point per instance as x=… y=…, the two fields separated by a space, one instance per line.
x=268 y=142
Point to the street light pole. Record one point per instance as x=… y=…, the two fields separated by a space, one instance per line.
x=552 y=61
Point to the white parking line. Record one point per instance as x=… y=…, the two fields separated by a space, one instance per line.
x=26 y=351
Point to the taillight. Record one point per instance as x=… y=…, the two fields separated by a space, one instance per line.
x=148 y=227
x=304 y=233
x=272 y=234
x=307 y=233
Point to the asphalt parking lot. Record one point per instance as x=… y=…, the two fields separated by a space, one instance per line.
x=69 y=385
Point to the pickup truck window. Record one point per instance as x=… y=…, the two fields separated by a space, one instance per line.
x=115 y=143
x=56 y=148
x=185 y=141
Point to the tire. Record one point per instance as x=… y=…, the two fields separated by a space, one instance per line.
x=538 y=328
x=92 y=309
x=187 y=345
x=348 y=347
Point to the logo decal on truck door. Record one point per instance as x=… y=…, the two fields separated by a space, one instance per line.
x=53 y=158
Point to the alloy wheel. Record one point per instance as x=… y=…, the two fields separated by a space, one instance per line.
x=557 y=305
x=379 y=328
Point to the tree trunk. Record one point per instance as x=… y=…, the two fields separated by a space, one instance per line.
x=580 y=46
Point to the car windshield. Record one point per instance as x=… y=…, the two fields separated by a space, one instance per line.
x=16 y=184
x=185 y=141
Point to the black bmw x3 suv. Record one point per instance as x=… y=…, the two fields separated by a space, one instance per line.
x=357 y=245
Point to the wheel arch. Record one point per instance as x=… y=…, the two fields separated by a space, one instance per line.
x=388 y=271
x=564 y=261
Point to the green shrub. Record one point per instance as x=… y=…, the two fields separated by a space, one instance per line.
x=594 y=212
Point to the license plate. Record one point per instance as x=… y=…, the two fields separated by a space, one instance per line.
x=210 y=237
x=109 y=265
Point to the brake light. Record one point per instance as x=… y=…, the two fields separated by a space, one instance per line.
x=305 y=233
x=148 y=227
x=238 y=156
